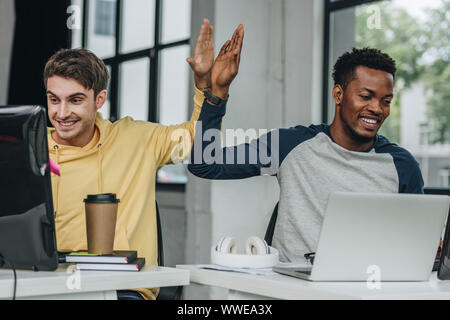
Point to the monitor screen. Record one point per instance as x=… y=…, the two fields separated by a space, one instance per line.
x=27 y=231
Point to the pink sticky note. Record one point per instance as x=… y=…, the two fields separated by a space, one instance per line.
x=55 y=168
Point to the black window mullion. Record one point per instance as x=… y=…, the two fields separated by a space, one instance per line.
x=330 y=7
x=154 y=65
x=115 y=66
x=85 y=24
x=113 y=93
x=174 y=44
x=326 y=55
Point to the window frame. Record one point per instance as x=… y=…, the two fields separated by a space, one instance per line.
x=329 y=8
x=114 y=63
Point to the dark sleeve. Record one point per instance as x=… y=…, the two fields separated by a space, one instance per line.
x=209 y=160
x=409 y=174
x=261 y=156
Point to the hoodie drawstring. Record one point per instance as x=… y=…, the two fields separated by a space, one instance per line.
x=56 y=148
x=100 y=159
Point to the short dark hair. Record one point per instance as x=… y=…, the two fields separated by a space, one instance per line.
x=81 y=65
x=346 y=64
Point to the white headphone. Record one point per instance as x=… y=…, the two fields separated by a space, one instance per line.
x=257 y=254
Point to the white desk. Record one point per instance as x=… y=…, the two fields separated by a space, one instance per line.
x=64 y=283
x=246 y=286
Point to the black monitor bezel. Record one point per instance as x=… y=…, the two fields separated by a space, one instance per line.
x=33 y=117
x=444 y=261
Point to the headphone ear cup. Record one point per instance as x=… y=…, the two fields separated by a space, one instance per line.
x=255 y=246
x=227 y=245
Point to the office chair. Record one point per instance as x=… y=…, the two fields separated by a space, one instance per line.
x=165 y=293
x=271 y=227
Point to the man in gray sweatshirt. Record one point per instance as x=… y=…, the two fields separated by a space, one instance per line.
x=312 y=162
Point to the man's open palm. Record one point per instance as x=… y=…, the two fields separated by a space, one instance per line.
x=203 y=58
x=226 y=66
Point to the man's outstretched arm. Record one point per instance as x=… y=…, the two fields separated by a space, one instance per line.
x=173 y=143
x=210 y=161
x=208 y=158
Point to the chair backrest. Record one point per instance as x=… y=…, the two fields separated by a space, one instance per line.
x=271 y=227
x=160 y=239
x=165 y=293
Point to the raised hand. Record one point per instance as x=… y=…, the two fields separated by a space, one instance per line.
x=226 y=66
x=203 y=59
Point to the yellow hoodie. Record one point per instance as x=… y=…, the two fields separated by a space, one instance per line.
x=122 y=158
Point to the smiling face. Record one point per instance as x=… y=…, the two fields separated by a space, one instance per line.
x=361 y=108
x=72 y=110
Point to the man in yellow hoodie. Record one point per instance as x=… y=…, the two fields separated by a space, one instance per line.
x=97 y=156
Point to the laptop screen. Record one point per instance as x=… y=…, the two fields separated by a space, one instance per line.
x=444 y=266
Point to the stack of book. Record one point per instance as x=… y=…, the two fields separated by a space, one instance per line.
x=117 y=261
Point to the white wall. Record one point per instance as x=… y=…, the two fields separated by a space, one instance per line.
x=413 y=113
x=278 y=85
x=7 y=21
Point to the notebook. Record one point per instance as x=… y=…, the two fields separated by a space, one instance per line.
x=123 y=257
x=135 y=265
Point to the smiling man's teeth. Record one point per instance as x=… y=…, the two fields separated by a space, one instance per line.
x=372 y=121
x=67 y=124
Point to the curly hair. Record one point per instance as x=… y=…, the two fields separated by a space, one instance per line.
x=346 y=64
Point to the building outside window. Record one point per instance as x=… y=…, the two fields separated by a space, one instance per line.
x=415 y=34
x=144 y=44
x=105 y=17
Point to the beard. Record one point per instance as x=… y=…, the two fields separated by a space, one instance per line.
x=354 y=135
x=357 y=137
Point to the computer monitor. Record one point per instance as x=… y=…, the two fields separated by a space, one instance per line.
x=27 y=228
x=444 y=263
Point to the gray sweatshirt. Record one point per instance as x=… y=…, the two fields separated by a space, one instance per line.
x=309 y=166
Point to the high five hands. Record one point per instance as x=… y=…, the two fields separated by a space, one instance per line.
x=216 y=75
x=203 y=59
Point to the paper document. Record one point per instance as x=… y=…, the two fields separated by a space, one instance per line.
x=263 y=271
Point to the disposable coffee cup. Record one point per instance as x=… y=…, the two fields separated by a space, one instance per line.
x=101 y=215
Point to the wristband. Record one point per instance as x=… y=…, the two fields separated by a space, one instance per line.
x=215 y=100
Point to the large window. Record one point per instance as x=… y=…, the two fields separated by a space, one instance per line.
x=415 y=34
x=145 y=44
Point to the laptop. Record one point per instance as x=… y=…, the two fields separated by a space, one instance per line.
x=442 y=265
x=392 y=236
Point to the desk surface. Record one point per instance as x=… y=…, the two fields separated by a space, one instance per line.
x=284 y=287
x=68 y=281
